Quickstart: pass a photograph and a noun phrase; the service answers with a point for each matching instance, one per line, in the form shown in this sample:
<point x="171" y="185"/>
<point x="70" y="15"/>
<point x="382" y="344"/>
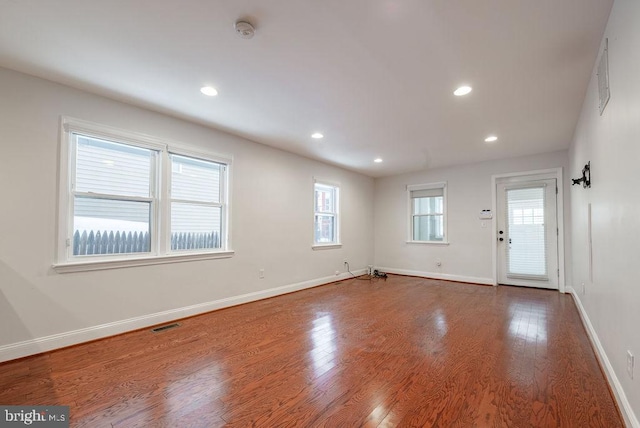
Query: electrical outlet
<point x="337" y="272"/>
<point x="370" y="269"/>
<point x="630" y="363"/>
<point x="261" y="273"/>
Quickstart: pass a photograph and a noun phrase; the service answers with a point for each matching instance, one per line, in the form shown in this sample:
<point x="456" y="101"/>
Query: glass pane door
<point x="526" y="233"/>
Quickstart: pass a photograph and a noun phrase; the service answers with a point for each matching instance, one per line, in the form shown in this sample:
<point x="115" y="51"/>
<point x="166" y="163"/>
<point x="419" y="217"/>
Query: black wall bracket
<point x="586" y="177"/>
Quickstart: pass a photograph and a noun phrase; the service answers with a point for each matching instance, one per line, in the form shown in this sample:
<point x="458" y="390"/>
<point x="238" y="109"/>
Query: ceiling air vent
<point x="603" y="77"/>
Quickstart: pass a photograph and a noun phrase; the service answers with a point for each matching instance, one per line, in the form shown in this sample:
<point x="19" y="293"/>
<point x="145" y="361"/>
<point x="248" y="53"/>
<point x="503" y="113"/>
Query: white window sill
<point x="428" y="242"/>
<point x="326" y="246"/>
<point x="89" y="265"/>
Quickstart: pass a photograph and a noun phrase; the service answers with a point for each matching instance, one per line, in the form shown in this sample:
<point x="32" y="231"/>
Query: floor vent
<point x="165" y="327"/>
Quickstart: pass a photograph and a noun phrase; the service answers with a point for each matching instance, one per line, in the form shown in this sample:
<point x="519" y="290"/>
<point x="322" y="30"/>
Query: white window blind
<point x="526" y="232"/>
<point x="427" y="214"/>
<point x="427" y="193"/>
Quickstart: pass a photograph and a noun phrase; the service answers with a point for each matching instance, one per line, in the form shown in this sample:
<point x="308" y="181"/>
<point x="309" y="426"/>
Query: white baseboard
<point x="437" y="275"/>
<point x="61" y="340"/>
<point x="623" y="403"/>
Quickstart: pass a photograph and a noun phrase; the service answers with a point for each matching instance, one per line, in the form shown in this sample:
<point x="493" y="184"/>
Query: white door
<point x="527" y="227"/>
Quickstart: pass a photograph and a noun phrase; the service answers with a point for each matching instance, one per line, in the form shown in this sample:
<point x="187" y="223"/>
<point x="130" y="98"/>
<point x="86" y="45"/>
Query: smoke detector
<point x="244" y="29"/>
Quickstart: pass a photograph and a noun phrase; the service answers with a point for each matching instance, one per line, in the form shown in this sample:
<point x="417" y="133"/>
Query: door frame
<point x="516" y="177"/>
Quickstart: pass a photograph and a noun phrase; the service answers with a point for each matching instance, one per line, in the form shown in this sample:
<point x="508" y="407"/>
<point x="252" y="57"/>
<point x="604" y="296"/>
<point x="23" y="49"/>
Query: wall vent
<point x="165" y="327"/>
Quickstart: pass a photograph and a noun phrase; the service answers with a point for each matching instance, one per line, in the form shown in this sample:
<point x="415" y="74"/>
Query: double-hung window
<point x="326" y="214"/>
<point x="427" y="218"/>
<point x="129" y="199"/>
<point x="113" y="197"/>
<point x="197" y="192"/>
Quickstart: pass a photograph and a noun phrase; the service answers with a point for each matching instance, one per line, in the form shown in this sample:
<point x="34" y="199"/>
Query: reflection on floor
<point x="406" y="351"/>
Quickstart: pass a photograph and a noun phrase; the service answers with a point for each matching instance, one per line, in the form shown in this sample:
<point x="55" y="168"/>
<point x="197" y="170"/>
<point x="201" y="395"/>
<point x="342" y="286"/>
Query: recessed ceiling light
<point x="462" y="90"/>
<point x="377" y="160"/>
<point x="317" y="135"/>
<point x="208" y="90"/>
<point x="491" y="139"/>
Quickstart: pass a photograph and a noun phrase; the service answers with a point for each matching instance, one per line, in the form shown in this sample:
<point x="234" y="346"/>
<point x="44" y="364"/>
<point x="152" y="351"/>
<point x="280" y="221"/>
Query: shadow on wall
<point x="23" y="381"/>
<point x="21" y="304"/>
<point x="12" y="289"/>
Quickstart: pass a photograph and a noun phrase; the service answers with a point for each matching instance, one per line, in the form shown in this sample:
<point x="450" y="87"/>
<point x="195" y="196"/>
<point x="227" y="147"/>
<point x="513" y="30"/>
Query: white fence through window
<point x="107" y="242"/>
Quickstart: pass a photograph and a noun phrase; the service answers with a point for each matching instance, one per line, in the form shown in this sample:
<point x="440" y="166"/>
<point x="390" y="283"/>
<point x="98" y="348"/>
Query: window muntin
<point x="325" y="214"/>
<point x="428" y="213"/>
<point x="116" y="204"/>
<point x="527" y="216"/>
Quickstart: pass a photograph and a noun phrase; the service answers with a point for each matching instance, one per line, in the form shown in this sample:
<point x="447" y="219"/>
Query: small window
<point x="427" y="213"/>
<point x="127" y="197"/>
<point x="326" y="214"/>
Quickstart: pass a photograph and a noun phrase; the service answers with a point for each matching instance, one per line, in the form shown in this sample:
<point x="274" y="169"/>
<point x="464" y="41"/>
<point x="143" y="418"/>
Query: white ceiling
<point x="374" y="76"/>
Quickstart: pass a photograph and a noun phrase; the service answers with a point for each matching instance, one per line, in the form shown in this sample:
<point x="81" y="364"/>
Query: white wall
<point x="271" y="224"/>
<point x="468" y="257"/>
<point x="612" y="143"/>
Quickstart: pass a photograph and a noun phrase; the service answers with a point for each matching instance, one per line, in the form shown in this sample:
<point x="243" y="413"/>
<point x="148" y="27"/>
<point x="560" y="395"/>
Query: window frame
<point x="160" y="180"/>
<point x="152" y="199"/>
<point x="335" y="213"/>
<point x="410" y="231"/>
<point x="223" y="204"/>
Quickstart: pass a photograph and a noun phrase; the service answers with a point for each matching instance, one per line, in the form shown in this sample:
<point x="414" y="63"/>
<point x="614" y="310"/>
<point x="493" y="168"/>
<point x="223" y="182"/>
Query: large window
<point x="427" y="204"/>
<point x="326" y="214"/>
<point x="126" y="197"/>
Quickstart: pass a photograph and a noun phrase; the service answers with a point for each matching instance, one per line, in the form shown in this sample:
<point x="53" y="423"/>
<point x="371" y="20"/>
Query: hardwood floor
<point x="401" y="352"/>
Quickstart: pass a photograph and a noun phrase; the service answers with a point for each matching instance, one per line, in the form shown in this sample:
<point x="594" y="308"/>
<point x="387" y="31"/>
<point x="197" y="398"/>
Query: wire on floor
<point x="369" y="276"/>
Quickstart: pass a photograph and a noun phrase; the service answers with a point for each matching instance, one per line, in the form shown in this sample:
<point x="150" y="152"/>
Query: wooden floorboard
<point x="401" y="352"/>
